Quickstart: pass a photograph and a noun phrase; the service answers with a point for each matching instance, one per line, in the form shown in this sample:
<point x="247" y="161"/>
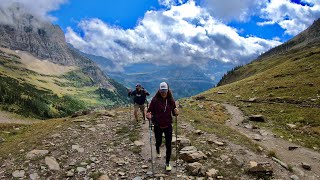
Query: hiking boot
<point x="158" y="155"/>
<point x="168" y="167"/>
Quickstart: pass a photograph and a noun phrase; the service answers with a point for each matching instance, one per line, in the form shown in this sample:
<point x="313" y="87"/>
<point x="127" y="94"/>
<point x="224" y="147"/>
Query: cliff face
<point x="46" y="41"/>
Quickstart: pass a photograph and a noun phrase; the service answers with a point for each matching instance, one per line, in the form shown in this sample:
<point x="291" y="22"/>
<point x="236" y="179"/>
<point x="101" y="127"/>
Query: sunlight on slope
<point x="40" y="66"/>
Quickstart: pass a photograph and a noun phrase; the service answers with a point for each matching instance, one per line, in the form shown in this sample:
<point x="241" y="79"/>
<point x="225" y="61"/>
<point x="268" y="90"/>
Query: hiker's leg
<point x="158" y="136"/>
<point x="135" y="111"/>
<point x="142" y="109"/>
<point x="168" y="137"/>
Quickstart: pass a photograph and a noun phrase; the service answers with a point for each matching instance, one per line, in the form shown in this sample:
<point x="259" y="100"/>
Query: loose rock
<point x="52" y="163"/>
<point x="18" y="174"/>
<point x="36" y="153"/>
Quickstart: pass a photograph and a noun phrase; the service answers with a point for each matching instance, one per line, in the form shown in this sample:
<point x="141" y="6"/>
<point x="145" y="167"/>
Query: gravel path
<point x="270" y="142"/>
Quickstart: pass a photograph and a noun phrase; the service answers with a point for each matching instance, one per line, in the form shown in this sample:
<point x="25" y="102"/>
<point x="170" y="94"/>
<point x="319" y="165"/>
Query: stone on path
<point x="70" y="173"/>
<point x="137" y="178"/>
<point x="252" y="100"/>
<point x="111" y="113"/>
<point x="257" y="168"/>
<point x="292" y="126"/>
<point x="138" y="143"/>
<point x="219" y="143"/>
<point x="257" y="118"/>
<point x="78" y="148"/>
<point x="280" y="162"/>
<point x="104" y="177"/>
<point x="18" y="174"/>
<point x="194" y="168"/>
<point x="81" y="169"/>
<point x="257" y="137"/>
<point x="292" y="148"/>
<point x="34" y="176"/>
<point x="36" y="153"/>
<point x="190" y="154"/>
<point x="52" y="163"/>
<point x="84" y="126"/>
<point x="212" y="172"/>
<point x="306" y="166"/>
<point x="294" y="177"/>
<point x="199" y="132"/>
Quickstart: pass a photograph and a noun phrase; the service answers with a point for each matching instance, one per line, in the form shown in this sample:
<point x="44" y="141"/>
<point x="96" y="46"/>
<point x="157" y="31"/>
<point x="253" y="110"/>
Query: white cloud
<point x="292" y="17"/>
<point x="39" y="9"/>
<point x="185" y="34"/>
<point x="233" y="9"/>
<point x="170" y="3"/>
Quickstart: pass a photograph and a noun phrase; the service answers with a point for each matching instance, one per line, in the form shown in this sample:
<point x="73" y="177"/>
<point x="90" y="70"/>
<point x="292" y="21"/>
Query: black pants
<point x="168" y="137"/>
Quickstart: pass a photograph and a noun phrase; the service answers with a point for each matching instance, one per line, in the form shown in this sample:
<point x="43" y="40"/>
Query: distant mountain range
<point x="185" y="81"/>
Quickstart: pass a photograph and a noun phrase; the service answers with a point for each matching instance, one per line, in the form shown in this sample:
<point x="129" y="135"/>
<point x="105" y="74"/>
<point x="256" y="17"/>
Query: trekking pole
<point x="150" y="130"/>
<point x="130" y="111"/>
<point x="176" y="147"/>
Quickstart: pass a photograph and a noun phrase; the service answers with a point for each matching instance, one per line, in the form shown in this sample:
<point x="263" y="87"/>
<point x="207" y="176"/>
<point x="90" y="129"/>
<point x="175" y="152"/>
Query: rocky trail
<point x="305" y="163"/>
<point x="109" y="145"/>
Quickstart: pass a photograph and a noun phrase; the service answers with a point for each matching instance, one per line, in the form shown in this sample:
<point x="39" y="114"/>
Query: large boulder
<point x="190" y="154"/>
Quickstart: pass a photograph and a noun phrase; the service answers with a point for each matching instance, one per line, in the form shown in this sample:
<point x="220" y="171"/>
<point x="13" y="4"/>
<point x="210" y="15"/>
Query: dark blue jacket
<point x="139" y="96"/>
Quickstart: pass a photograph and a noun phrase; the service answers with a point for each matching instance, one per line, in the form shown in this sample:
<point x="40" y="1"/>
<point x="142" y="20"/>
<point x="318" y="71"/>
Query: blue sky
<point x="175" y="31"/>
<point x="123" y="13"/>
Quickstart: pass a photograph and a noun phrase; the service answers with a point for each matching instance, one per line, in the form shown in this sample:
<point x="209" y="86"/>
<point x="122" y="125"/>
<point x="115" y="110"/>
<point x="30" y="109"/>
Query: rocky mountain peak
<point x="20" y="30"/>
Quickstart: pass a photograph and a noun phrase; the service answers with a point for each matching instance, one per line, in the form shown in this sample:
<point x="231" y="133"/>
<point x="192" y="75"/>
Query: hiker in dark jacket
<point x="160" y="111"/>
<point x="140" y="97"/>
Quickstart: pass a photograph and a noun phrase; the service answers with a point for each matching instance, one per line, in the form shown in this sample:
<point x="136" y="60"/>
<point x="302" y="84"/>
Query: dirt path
<point x="158" y="163"/>
<point x="293" y="158"/>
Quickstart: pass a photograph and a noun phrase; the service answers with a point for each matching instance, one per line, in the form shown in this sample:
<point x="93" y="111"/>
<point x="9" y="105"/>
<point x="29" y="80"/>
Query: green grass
<point x="287" y="88"/>
<point x="28" y="137"/>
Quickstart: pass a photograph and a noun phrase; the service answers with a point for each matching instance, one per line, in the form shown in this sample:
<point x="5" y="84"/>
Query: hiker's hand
<point x="129" y="90"/>
<point x="149" y="115"/>
<point x="176" y="111"/>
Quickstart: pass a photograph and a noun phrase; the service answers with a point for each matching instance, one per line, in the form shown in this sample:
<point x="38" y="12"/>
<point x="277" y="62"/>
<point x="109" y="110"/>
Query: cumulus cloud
<point x="185" y="34"/>
<point x="38" y="9"/>
<point x="292" y="17"/>
<point x="233" y="9"/>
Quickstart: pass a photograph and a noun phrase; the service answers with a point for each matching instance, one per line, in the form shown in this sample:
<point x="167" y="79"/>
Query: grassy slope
<point x="287" y="88"/>
<point x="68" y="91"/>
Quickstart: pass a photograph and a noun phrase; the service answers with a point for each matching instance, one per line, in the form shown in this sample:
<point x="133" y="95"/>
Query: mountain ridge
<point x="304" y="40"/>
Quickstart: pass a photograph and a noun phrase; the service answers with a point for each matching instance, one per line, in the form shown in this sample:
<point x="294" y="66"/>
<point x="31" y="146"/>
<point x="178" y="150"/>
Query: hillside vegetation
<point x="49" y="95"/>
<point x="284" y="87"/>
